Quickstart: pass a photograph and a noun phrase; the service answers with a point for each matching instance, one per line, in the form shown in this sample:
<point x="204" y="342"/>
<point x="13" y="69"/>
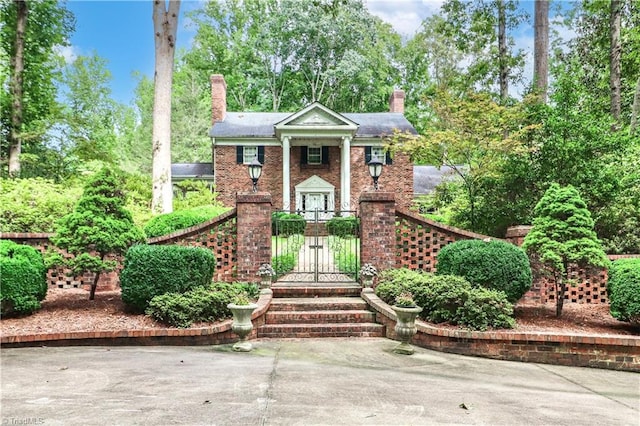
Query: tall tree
<point x="17" y="64"/>
<point x="281" y="55"/>
<point x="30" y="34"/>
<point x="165" y="26"/>
<point x="480" y="30"/>
<point x="541" y="48"/>
<point x="614" y="55"/>
<point x="89" y="114"/>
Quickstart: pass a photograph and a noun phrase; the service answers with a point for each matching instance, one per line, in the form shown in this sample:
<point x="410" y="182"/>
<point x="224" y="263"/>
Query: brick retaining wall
<point x="610" y="352"/>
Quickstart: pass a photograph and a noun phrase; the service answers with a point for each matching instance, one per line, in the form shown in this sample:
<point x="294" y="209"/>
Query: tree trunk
<point x="561" y="289"/>
<point x="165" y="25"/>
<point x="541" y="48"/>
<point x="616" y="49"/>
<point x="17" y="65"/>
<point x="94" y="286"/>
<point x="502" y="51"/>
<point x="635" y="110"/>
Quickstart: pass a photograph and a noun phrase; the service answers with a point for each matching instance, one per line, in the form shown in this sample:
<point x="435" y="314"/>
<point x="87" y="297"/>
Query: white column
<point x="286" y="174"/>
<point x="345" y="174"/>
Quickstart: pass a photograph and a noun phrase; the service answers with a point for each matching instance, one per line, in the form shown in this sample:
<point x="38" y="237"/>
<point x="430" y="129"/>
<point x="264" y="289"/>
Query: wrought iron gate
<point x="321" y="246"/>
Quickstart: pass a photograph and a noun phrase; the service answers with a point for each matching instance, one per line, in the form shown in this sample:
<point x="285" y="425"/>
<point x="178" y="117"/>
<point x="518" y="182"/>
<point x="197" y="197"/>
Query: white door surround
<point x="315" y="193"/>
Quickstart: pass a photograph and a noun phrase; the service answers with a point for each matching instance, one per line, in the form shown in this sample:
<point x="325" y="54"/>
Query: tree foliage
<point x="48" y="27"/>
<point x="98" y="227"/>
<point x="563" y="235"/>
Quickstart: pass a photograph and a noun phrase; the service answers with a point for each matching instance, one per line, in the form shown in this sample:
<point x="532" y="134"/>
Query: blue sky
<point x="122" y="33"/>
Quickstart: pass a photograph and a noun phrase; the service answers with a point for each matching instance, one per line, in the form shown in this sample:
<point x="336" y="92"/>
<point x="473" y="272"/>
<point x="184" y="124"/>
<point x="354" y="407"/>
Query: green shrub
<point x="623" y="288"/>
<point x="34" y="205"/>
<point x="201" y="304"/>
<point x="448" y="298"/>
<point x="24" y="282"/>
<point x="171" y="222"/>
<point x="493" y="265"/>
<point x="284" y="224"/>
<point x="283" y="263"/>
<point x="150" y="271"/>
<point x="343" y="226"/>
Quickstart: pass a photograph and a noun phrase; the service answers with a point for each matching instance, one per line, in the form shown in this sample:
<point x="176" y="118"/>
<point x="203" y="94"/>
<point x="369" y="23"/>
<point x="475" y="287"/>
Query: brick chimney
<point x="218" y="98"/>
<point x="396" y="101"/>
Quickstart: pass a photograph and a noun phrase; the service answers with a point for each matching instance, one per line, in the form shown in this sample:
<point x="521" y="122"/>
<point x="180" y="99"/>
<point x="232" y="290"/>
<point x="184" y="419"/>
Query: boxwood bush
<point x="283" y="263"/>
<point x="171" y="222"/>
<point x="150" y="271"/>
<point x="201" y="304"/>
<point x="24" y="281"/>
<point x="285" y="224"/>
<point x="448" y="298"/>
<point x="343" y="226"/>
<point x="623" y="288"/>
<point x="495" y="265"/>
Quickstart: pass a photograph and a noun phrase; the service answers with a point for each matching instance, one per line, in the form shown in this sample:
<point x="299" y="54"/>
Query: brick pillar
<point x="515" y="234"/>
<point x="254" y="233"/>
<point x="378" y="229"/>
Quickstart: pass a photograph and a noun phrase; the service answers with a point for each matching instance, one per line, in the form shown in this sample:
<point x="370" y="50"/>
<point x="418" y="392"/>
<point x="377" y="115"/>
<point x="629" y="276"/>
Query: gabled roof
<point x="426" y="178"/>
<point x="316" y="115"/>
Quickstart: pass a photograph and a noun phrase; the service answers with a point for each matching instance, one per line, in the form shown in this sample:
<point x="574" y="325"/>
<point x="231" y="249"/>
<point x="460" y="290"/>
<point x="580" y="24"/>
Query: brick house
<point x="314" y="158"/>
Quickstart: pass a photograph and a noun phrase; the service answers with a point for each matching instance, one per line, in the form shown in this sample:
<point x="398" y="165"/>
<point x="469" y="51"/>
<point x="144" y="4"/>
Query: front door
<point x="312" y="202"/>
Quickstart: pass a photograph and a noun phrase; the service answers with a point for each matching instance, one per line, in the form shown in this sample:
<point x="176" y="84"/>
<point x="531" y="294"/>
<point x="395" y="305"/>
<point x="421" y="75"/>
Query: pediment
<point x="316" y="116"/>
<point x="314" y="183"/>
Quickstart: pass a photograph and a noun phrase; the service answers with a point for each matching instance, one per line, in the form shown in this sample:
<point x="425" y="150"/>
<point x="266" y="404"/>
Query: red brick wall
<point x="254" y="234"/>
<point x="232" y="178"/>
<point x="63" y="277"/>
<point x="377" y="225"/>
<point x="612" y="352"/>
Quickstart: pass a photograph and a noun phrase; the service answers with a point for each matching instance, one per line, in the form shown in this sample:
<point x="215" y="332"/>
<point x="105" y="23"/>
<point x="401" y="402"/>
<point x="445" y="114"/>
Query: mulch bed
<point x="68" y="310"/>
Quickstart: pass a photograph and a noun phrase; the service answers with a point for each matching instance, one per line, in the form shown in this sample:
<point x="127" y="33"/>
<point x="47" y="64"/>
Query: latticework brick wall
<point x="218" y="235"/>
<point x="419" y="240"/>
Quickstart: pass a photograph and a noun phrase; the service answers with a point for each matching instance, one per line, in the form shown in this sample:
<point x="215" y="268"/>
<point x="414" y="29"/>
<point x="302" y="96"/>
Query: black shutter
<point x="387" y="158"/>
<point x="303" y="155"/>
<point x="325" y="155"/>
<point x="367" y="154"/>
<point x="261" y="154"/>
<point x="239" y="154"/>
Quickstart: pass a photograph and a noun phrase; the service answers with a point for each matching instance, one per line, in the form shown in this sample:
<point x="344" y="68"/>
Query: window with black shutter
<point x="379" y="151"/>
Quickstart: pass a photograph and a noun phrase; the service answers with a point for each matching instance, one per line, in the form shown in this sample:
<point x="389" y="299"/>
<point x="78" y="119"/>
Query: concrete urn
<point x="242" y="325"/>
<point x="405" y="327"/>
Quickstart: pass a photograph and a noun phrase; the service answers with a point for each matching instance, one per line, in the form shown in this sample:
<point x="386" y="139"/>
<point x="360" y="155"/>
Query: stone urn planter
<point x="266" y="274"/>
<point x="242" y="325"/>
<point x="405" y="327"/>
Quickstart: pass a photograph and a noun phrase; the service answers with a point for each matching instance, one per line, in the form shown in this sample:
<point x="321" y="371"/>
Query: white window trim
<point x="248" y="158"/>
<point x="319" y="156"/>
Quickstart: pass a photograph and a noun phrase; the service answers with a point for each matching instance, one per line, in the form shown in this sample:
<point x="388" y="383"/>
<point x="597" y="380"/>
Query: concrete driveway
<point x="303" y="382"/>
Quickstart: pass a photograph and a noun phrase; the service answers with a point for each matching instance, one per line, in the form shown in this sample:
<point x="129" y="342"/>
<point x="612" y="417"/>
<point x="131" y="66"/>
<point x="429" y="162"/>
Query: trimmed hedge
<point x="285" y="224"/>
<point x="171" y="222"/>
<point x="448" y="298"/>
<point x="623" y="288"/>
<point x="150" y="271"/>
<point x="495" y="265"/>
<point x="201" y="304"/>
<point x="283" y="263"/>
<point x="343" y="226"/>
<point x="24" y="280"/>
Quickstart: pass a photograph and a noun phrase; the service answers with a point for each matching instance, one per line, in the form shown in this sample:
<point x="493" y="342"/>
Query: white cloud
<point x="69" y="53"/>
<point x="405" y="16"/>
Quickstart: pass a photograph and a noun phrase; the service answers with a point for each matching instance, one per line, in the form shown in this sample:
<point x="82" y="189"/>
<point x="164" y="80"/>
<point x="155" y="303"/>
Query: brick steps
<point x="317" y="304"/>
<point x="315" y="290"/>
<point x="326" y="310"/>
<point x="320" y="317"/>
<point x="321" y="330"/>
